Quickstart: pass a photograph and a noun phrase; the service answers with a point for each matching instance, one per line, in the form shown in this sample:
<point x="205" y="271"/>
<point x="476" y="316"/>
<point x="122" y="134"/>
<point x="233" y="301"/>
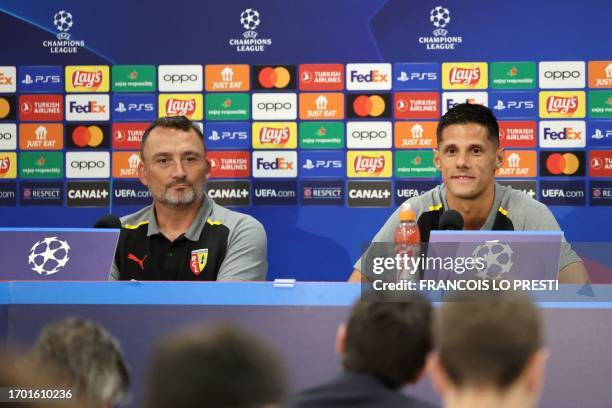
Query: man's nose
<point x="463" y="160"/>
<point x="179" y="170"/>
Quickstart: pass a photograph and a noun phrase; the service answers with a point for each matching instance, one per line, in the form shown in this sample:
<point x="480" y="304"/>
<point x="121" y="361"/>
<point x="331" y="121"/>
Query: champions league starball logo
<point x="440" y="17"/>
<point x="62" y="20"/>
<point x="250" y="20"/>
<point x="497" y="258"/>
<point x="49" y="256"/>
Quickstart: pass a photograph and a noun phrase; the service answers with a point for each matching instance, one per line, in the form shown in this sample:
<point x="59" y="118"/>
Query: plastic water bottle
<point x="407" y="242"/>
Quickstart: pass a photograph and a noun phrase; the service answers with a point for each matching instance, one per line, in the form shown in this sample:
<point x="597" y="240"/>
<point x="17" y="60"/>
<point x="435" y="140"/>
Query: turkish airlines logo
<point x="369" y="164"/>
<point x="464" y="76"/>
<point x="558" y="104"/>
<point x="179" y="107"/>
<point x="86" y="79"/>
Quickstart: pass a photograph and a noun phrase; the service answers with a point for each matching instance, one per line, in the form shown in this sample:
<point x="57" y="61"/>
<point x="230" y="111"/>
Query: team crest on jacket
<point x="198" y="260"/>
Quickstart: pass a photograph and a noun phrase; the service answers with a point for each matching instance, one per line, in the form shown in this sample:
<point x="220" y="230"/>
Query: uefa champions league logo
<point x="440" y="17"/>
<point x="49" y="256"/>
<point x="62" y="20"/>
<point x="497" y="257"/>
<point x="250" y="19"/>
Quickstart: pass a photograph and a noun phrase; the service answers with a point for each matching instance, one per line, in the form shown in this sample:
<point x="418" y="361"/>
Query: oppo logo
<point x="6" y="136"/>
<point x="180" y="78"/>
<point x="88" y="164"/>
<point x="561" y="74"/>
<point x="369" y="134"/>
<point x="274" y="106"/>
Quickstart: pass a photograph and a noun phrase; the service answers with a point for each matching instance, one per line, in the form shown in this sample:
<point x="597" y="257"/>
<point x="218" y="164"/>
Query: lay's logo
<point x="562" y="104"/>
<point x="188" y="105"/>
<point x="369" y="164"/>
<point x="463" y="76"/>
<point x="274" y="135"/>
<point x="87" y="78"/>
<point x="90" y="80"/>
<point x="177" y="107"/>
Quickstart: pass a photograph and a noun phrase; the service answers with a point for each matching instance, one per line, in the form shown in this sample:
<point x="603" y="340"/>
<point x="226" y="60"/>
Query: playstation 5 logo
<point x="214" y="136"/>
<point x="308" y="165"/>
<point x="120" y="108"/>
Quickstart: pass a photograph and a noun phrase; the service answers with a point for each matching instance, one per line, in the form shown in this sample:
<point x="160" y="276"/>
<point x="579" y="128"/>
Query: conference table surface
<point x="300" y="321"/>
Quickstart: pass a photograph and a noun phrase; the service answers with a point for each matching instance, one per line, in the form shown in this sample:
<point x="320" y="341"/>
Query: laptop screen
<point x="81" y="254"/>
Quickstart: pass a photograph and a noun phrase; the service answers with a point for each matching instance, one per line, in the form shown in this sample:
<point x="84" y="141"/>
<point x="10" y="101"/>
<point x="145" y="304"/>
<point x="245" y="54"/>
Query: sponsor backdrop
<point x="318" y="127"/>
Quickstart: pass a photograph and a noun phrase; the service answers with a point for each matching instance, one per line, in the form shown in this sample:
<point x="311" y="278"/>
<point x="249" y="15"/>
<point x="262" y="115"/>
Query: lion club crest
<point x="198" y="260"/>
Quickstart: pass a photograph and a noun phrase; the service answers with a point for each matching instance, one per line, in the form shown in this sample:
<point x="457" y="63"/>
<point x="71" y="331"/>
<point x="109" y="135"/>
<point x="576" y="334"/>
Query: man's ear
<point x="142" y="172"/>
<point x="535" y="371"/>
<point x="499" y="157"/>
<point x="436" y="373"/>
<point x="436" y="158"/>
<point x="340" y="339"/>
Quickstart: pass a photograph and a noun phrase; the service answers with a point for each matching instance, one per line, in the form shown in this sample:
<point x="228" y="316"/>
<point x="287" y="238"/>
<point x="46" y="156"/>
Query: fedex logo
<point x="562" y="133"/>
<point x="450" y="99"/>
<point x="368" y="77"/>
<point x="40" y="79"/>
<point x="7" y="79"/>
<point x="87" y="107"/>
<point x="274" y="164"/>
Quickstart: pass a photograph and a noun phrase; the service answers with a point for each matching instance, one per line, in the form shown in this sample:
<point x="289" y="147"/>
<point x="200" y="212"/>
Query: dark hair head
<point x="85" y="356"/>
<point x="388" y="339"/>
<point x="464" y="113"/>
<point x="171" y="122"/>
<point x="219" y="367"/>
<point x="486" y="338"/>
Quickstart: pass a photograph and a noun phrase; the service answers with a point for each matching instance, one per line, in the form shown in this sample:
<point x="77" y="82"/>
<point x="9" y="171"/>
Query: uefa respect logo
<point x="250" y="20"/>
<point x="440" y="17"/>
<point x="63" y="22"/>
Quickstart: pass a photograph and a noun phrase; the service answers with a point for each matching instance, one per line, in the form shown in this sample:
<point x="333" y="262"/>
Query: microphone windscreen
<point x="451" y="220"/>
<point x="108" y="221"/>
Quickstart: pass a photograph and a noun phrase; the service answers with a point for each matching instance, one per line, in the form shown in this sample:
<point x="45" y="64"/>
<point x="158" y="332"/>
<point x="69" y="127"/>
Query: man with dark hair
<point x="488" y="351"/>
<point x="383" y="347"/>
<point x="467" y="156"/>
<point x="184" y="234"/>
<point x="82" y="355"/>
<point x="219" y="367"/>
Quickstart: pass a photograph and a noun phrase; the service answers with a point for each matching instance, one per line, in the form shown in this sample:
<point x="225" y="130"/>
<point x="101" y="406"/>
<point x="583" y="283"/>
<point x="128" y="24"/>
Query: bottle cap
<point x="406" y="213"/>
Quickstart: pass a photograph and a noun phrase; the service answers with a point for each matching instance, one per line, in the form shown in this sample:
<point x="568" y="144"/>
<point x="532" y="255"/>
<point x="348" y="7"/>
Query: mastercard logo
<point x="5" y="108"/>
<point x="87" y="136"/>
<point x="372" y="106"/>
<point x="274" y="77"/>
<point x="562" y="163"/>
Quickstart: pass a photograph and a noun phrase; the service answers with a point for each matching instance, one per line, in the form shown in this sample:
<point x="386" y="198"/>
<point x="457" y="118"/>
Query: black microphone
<point x="108" y="221"/>
<point x="451" y="220"/>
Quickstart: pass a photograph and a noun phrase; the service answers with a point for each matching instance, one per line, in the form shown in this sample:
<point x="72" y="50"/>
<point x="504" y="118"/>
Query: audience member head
<point x="215" y="367"/>
<point x="82" y="355"/>
<point x="488" y="348"/>
<point x="387" y="337"/>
